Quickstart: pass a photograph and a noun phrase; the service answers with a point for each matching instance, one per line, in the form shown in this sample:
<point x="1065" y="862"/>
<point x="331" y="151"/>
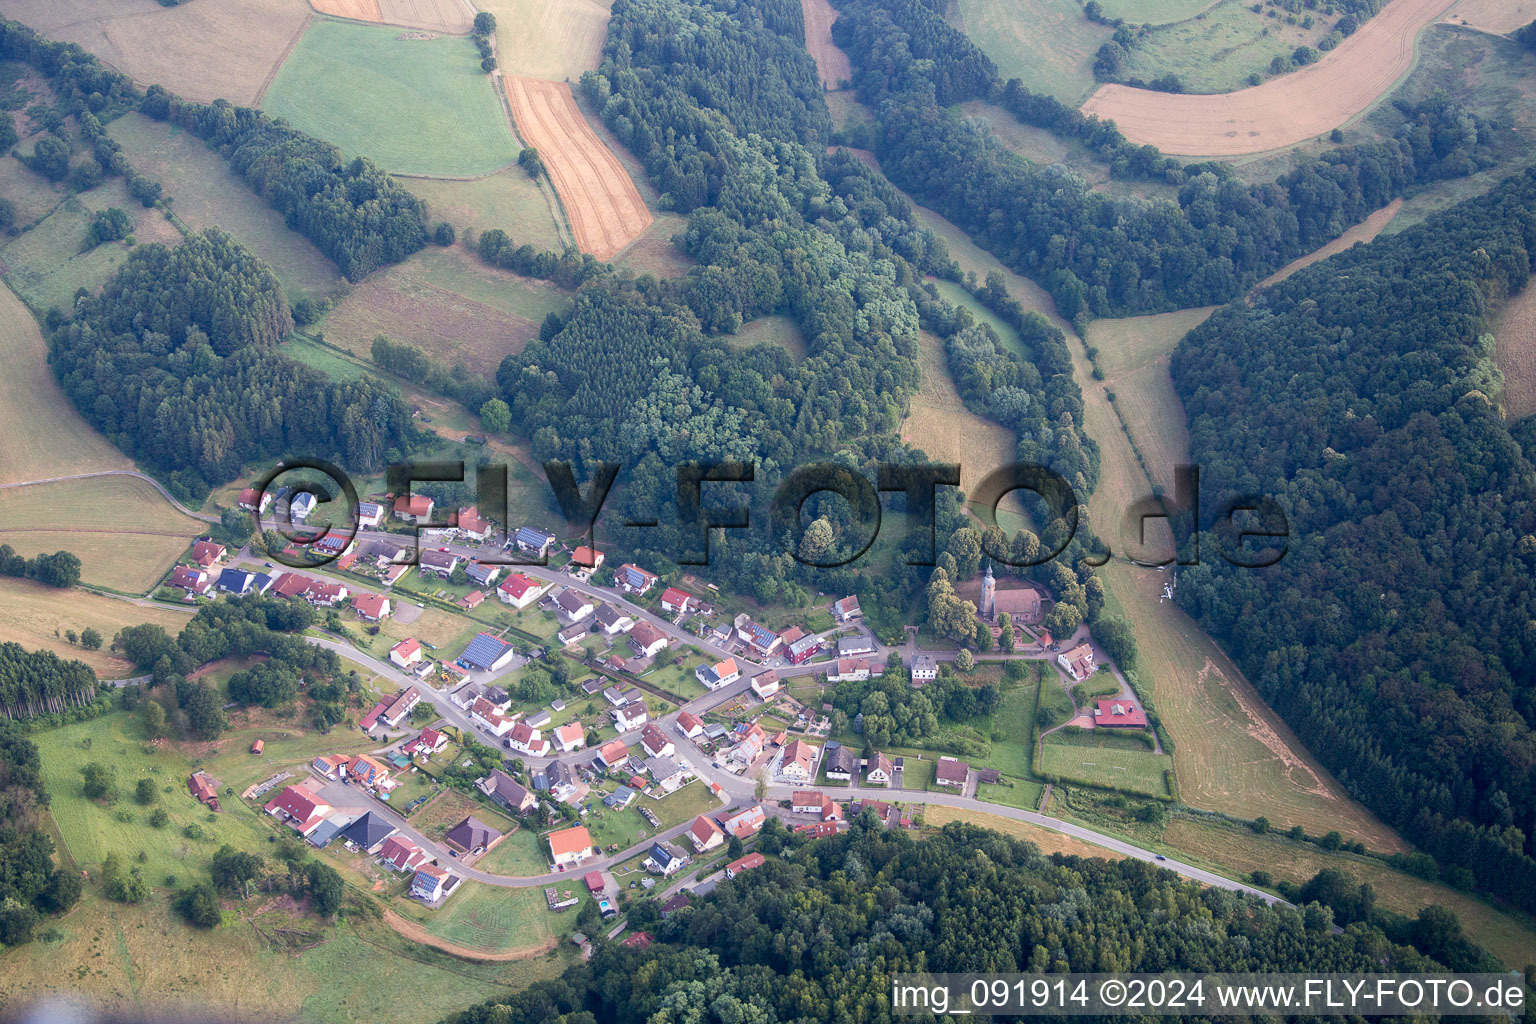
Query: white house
<point x="569" y="737"/>
<point x="765" y="684"/>
<point x="528" y="740"/>
<point x="574" y="605"/>
<point x="406" y="653"/>
<point x="631" y="716"/>
<point x="655" y="741"/>
<point x="520" y="591"/>
<point x="720" y="674"/>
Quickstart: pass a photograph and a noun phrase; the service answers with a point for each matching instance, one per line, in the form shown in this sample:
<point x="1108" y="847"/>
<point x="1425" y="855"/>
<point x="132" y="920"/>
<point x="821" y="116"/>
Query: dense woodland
<point x="31" y="886"/>
<point x="1398" y="633"/>
<point x="175" y="361"/>
<point x="350" y="210"/>
<point x="1096" y="254"/>
<point x="817" y="935"/>
<point x="41" y="682"/>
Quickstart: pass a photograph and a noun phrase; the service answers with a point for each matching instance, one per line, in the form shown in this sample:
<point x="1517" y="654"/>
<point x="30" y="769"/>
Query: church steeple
<point x="988" y="593"/>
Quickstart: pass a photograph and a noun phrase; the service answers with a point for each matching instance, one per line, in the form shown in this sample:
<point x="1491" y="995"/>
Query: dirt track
<point x="831" y="62"/>
<point x="1284" y="110"/>
<point x="416" y="933"/>
<point x="602" y="203"/>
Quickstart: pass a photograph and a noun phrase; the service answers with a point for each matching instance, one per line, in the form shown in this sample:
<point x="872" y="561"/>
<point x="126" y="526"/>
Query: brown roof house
<point x="472" y="836"/>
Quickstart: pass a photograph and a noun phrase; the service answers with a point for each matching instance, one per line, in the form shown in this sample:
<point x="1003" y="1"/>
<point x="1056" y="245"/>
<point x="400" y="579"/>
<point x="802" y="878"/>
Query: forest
<point x="350" y="210"/>
<point x="31" y="886"/>
<point x="1099" y="255"/>
<point x="1397" y="635"/>
<point x="722" y="104"/>
<point x="176" y="362"/>
<point x="815" y="934"/>
<point x="41" y="682"/>
<point x="60" y="569"/>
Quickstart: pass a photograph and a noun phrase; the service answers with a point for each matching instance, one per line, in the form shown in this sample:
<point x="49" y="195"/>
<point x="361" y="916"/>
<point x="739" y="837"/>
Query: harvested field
<point x="545" y="39"/>
<point x="1362" y="232"/>
<point x="208" y="194"/>
<point x="601" y="202"/>
<point x="1515" y="353"/>
<point x="126" y="534"/>
<point x="653" y="252"/>
<point x="1283" y="111"/>
<point x="44" y="435"/>
<point x="1499" y="16"/>
<point x="939" y="423"/>
<point x="36" y="617"/>
<point x="413" y="105"/>
<point x="452" y="16"/>
<point x="831" y="62"/>
<point x="449" y="305"/>
<point x="203" y="51"/>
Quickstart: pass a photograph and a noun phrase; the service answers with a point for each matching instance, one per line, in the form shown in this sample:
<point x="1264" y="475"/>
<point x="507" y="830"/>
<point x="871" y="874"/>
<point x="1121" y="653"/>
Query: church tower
<point x="988" y="594"/>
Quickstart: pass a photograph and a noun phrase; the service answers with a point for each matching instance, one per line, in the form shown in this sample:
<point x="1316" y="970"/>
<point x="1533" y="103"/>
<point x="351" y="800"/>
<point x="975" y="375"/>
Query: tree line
<point x="176" y="362"/>
<point x="40" y="682"/>
<point x="31" y="885"/>
<point x="1096" y="254"/>
<point x="60" y="569"/>
<point x="1397" y="635"/>
<point x="817" y="932"/>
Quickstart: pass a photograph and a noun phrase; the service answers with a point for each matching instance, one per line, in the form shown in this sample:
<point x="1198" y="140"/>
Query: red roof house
<point x="1119" y="713"/>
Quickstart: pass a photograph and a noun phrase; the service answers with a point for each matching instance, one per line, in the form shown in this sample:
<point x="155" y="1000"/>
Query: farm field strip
<point x="831" y="62"/>
<point x="602" y="203"/>
<point x="1514" y="333"/>
<point x="1283" y="111"/>
<point x="36" y="617"/>
<point x="545" y="39"/>
<point x="1498" y="16"/>
<point x="450" y="16"/>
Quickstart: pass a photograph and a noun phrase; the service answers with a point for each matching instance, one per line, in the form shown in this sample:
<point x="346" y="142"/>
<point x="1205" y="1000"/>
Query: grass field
<point x="771" y="330"/>
<point x="418" y="106"/>
<point x="44" y="435"/>
<point x="1049" y="841"/>
<point x="30" y="613"/>
<point x="939" y="423"/>
<point x="124" y="532"/>
<point x="521" y="853"/>
<point x="831" y="62"/>
<point x="45" y="265"/>
<point x="31" y="194"/>
<point x="203" y="51"/>
<point x="549" y="40"/>
<point x="509" y="200"/>
<point x="1216" y="49"/>
<point x="1154" y="12"/>
<point x="449" y="305"/>
<point x="1515" y="353"/>
<point x="1102" y="761"/>
<point x="207" y="194"/>
<point x="1050" y="51"/>
<point x="498" y="920"/>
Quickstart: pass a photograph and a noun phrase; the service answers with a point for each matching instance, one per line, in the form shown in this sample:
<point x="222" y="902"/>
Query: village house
<point x="847" y="610"/>
<point x="572" y="634"/>
<point x="669" y="775"/>
<point x="253" y="500"/>
<point x="842" y="763"/>
<point x="665" y="859"/>
<point x="205" y="789"/>
<point x="951" y="772"/>
<point x="613" y="620"/>
<point x="925" y="669"/>
<point x="620" y="696"/>
<point x="482" y="712"/>
<point x="561" y="782"/>
<point x="689" y="724"/>
<point x="747" y="863"/>
<point x="613" y="753"/>
<point x="368" y="771"/>
<point x="800" y="646"/>
<point x="855" y="646"/>
<point x="747" y="823"/>
<point x="207" y="554"/>
<point x="765" y="684"/>
<point x="799" y="761"/>
<point x="849" y="670"/>
<point x="428" y="743"/>
<point x="298" y="807"/>
<point x="1119" y="713"/>
<point x="332" y="766"/>
<point x="431" y="883"/>
<point x="574" y="605"/>
<point x="718" y="675"/>
<point x="677" y="602"/>
<point x="570" y="736"/>
<point x="438" y="563"/>
<point x="630" y="716"/>
<point x="587" y="558"/>
<point x="655" y="741"/>
<point x="762" y="640"/>
<point x="369" y="514"/>
<point x="620" y="798"/>
<point x="404" y="703"/>
<point x="705" y="834"/>
<point x="400" y="854"/>
<point x="520" y="591"/>
<point x="406" y="653"/>
<point x="632" y="579"/>
<point x="413" y="508"/>
<point x="326" y="594"/>
<point x="507" y="791"/>
<point x="371" y="607"/>
<point x="480" y="574"/>
<point x="472" y="526"/>
<point x="646" y="640"/>
<point x="192" y="580"/>
<point x="368" y="833"/>
<point x="487" y="653"/>
<point x="814" y="801"/>
<point x="569" y="847"/>
<point x="1078" y="662"/>
<point x="879" y="771"/>
<point x="472" y="836"/>
<point x="533" y="541"/>
<point x="750" y="745"/>
<point x="527" y="740"/>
